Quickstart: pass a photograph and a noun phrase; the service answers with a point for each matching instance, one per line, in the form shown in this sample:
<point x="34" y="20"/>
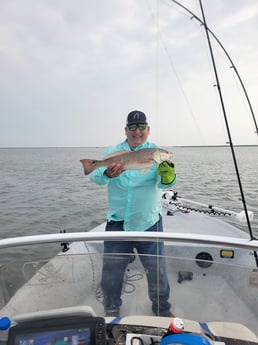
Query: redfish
<point x="132" y="160"/>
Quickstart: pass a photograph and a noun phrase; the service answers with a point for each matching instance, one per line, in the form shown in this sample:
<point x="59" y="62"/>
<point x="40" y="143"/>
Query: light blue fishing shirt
<point x="133" y="197"/>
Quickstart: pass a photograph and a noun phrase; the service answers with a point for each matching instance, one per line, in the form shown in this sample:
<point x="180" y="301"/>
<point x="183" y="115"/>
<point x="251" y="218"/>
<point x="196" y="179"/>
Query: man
<point x="134" y="204"/>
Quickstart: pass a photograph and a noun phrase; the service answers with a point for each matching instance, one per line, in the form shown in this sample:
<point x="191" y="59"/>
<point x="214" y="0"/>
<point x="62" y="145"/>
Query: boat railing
<point x="131" y="236"/>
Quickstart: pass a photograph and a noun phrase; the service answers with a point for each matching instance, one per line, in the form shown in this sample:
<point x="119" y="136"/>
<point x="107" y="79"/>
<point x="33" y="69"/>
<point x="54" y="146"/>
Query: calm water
<point x="44" y="191"/>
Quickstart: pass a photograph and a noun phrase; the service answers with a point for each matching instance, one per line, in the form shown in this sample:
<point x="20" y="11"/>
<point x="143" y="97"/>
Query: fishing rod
<point x="226" y="122"/>
<point x="232" y="65"/>
<point x="228" y="131"/>
<point x="208" y="31"/>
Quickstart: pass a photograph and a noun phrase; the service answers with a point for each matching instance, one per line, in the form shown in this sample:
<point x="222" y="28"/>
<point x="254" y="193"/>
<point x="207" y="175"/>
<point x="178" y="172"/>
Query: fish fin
<point x="88" y="165"/>
<point x="117" y="154"/>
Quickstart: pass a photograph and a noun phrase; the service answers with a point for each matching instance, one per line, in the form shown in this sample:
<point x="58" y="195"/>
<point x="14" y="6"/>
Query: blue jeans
<point x="114" y="268"/>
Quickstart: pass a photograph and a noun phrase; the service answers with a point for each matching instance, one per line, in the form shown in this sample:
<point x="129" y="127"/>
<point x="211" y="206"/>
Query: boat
<point x="212" y="271"/>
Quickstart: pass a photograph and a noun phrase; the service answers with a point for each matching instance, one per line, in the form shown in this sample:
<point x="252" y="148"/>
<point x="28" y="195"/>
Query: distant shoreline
<point x="103" y="147"/>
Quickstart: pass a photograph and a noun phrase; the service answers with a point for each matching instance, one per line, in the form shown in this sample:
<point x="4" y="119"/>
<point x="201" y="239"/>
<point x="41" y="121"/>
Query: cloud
<point x="240" y="16"/>
<point x="71" y="71"/>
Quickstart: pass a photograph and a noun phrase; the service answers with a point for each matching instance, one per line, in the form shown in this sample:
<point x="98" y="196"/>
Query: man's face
<point x="137" y="134"/>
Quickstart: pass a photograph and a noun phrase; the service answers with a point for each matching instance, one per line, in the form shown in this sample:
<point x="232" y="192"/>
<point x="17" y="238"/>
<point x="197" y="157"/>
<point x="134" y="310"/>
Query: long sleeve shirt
<point x="133" y="197"/>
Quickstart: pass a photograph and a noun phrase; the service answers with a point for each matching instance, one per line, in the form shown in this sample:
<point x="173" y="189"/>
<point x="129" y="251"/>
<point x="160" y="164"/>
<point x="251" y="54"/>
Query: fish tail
<point x="88" y="165"/>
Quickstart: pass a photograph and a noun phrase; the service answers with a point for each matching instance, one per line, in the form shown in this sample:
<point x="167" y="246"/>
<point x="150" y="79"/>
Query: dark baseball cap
<point x="136" y="116"/>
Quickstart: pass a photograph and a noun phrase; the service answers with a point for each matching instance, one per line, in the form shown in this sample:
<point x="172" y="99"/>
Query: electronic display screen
<point x="71" y="330"/>
<point x="79" y="336"/>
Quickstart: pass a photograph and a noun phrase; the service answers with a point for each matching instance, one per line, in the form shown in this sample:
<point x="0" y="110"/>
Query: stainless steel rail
<point x="131" y="236"/>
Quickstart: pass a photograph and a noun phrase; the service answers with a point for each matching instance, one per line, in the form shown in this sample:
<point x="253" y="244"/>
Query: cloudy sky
<point x="72" y="70"/>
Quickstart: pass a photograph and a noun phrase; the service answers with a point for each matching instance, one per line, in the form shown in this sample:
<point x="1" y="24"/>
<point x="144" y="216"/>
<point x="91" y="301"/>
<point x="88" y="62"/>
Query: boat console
<point x="81" y="326"/>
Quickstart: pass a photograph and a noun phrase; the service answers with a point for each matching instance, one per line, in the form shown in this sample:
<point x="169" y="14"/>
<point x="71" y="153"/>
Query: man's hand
<point x="167" y="172"/>
<point x="114" y="170"/>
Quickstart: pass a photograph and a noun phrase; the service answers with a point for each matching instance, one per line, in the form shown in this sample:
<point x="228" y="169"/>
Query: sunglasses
<point x="140" y="126"/>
